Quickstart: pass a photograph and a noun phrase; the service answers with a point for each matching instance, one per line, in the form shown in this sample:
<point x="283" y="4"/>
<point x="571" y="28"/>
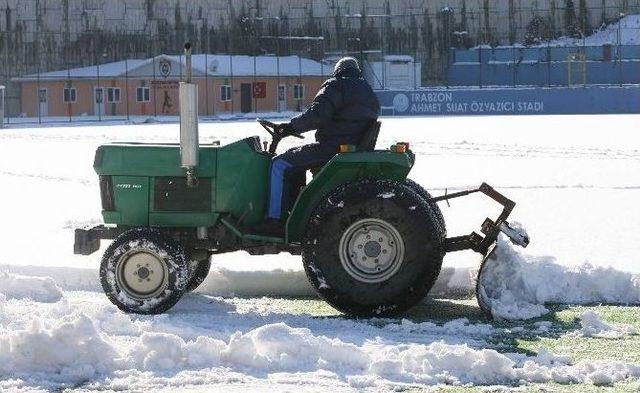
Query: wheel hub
<point x="371" y="250"/>
<point x="142" y="274"/>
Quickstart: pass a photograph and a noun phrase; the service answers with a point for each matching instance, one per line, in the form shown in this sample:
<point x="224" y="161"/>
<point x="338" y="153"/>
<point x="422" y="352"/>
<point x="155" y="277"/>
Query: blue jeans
<point x="291" y="166"/>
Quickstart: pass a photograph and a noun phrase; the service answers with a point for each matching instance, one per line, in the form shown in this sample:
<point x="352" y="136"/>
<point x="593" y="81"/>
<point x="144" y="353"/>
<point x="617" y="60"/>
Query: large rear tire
<point x="144" y="272"/>
<point x="373" y="248"/>
<point x="437" y="213"/>
<point x="200" y="271"/>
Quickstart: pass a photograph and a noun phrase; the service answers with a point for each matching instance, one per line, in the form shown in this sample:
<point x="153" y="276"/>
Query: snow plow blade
<point x="486" y="242"/>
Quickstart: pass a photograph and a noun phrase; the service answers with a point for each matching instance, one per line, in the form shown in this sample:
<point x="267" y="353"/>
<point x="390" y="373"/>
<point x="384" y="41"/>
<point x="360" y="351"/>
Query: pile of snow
<point x="40" y="289"/>
<point x="81" y="339"/>
<point x="518" y="285"/>
<point x="594" y="326"/>
<point x="70" y="350"/>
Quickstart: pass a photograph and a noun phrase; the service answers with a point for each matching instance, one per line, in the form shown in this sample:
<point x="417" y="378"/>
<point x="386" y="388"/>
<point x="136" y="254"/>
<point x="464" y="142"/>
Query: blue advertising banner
<point x="514" y="101"/>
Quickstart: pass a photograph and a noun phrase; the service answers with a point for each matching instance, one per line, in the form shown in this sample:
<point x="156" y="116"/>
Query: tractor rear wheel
<point x="373" y="248"/>
<point x="200" y="270"/>
<point x="434" y="206"/>
<point x="144" y="272"/>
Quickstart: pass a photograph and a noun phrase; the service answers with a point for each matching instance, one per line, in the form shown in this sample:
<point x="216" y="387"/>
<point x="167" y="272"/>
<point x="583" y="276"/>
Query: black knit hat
<point x="346" y="63"/>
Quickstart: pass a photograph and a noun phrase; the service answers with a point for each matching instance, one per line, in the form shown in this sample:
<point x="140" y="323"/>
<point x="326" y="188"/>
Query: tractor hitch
<point x="486" y="242"/>
<point x="483" y="243"/>
<point x="87" y="239"/>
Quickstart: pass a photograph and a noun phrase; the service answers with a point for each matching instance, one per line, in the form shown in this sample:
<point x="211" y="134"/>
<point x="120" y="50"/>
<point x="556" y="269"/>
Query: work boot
<point x="270" y="227"/>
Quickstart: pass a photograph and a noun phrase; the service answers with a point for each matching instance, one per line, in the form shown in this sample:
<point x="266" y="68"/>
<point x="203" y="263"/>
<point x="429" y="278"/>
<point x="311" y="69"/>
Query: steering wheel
<point x="276" y="138"/>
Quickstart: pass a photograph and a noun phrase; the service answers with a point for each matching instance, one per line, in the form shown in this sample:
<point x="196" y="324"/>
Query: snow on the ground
<point x="626" y="31"/>
<point x="594" y="326"/>
<point x="517" y="285"/>
<point x="576" y="187"/>
<point x="85" y="343"/>
<point x="42" y="289"/>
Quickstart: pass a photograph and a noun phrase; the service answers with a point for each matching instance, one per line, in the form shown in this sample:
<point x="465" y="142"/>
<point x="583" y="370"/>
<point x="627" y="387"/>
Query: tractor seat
<point x="367" y="143"/>
<point x="370" y="137"/>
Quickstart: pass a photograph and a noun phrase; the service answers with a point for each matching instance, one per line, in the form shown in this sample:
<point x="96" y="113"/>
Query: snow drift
<point x="40" y="289"/>
<point x="69" y="350"/>
<point x="73" y="350"/>
<point x="518" y="285"/>
<point x="594" y="326"/>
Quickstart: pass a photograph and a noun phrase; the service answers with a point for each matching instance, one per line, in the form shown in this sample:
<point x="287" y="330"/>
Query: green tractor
<point x="372" y="241"/>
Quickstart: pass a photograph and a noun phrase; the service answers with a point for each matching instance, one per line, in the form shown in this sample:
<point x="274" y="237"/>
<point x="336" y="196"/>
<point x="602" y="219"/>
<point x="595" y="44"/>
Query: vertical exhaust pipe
<point x="189" y="123"/>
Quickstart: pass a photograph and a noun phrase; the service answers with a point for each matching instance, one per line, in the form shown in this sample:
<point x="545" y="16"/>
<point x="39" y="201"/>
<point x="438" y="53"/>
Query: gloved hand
<point x="284" y="129"/>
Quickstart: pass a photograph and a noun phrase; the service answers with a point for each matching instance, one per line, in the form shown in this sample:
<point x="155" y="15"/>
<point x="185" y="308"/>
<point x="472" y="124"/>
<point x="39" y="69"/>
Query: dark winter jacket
<point x="344" y="108"/>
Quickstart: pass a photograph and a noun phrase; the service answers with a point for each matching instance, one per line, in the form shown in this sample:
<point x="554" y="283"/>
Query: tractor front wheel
<point x="373" y="248"/>
<point x="144" y="272"/>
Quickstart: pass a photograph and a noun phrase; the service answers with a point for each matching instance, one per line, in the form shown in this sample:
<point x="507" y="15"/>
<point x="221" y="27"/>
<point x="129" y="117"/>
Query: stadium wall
<point x="510" y="101"/>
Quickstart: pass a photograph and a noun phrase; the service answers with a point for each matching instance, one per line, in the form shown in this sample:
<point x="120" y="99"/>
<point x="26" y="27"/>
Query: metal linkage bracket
<point x="490" y="228"/>
<point x="87" y="239"/>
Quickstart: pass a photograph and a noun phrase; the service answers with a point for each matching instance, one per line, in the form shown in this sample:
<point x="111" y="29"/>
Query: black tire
<point x="393" y="204"/>
<point x="199" y="274"/>
<point x="165" y="255"/>
<point x="434" y="206"/>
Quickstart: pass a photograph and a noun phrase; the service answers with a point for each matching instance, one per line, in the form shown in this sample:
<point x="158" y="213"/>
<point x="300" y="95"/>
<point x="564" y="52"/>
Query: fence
<point x="117" y="72"/>
<point x="1" y="106"/>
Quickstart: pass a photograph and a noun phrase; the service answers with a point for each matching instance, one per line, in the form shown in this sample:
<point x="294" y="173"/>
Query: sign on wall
<point x="165" y="68"/>
<point x="440" y="102"/>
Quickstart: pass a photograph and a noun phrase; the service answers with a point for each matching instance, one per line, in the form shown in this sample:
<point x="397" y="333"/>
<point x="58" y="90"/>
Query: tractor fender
<point x="342" y="169"/>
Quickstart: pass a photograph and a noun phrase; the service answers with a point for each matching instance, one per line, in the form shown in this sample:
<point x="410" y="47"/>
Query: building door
<point x="245" y="97"/>
<point x="43" y="102"/>
<point x="282" y="98"/>
<point x="98" y="101"/>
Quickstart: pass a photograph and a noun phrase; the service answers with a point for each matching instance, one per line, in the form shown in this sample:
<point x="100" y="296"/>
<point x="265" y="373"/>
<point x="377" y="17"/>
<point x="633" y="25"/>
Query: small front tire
<point x="144" y="272"/>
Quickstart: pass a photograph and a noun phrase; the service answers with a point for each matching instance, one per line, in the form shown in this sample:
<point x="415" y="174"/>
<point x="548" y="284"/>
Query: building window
<point x="298" y="92"/>
<point x="113" y="94"/>
<point x="69" y="95"/>
<point x="225" y="93"/>
<point x="142" y="94"/>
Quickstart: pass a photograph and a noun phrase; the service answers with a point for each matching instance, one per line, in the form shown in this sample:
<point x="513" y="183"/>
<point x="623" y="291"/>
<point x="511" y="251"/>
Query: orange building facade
<point x="150" y="87"/>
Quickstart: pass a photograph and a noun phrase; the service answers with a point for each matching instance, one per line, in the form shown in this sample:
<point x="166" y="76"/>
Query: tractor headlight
<point x="106" y="193"/>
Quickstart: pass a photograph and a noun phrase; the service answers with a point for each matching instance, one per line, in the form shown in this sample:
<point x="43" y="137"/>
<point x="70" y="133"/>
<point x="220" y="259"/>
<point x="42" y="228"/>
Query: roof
<point x="211" y="65"/>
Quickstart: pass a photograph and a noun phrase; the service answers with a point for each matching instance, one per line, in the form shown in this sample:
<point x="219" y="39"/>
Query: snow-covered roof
<point x="107" y="70"/>
<point x="221" y="65"/>
<point x="403" y="58"/>
<point x="211" y="65"/>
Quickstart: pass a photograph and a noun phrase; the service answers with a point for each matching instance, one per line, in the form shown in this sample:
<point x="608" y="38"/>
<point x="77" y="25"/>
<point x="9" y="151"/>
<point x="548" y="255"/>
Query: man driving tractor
<point x="342" y="111"/>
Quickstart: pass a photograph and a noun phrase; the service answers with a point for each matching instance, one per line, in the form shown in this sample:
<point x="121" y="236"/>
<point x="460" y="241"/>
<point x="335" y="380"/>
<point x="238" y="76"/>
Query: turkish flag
<point x="260" y="90"/>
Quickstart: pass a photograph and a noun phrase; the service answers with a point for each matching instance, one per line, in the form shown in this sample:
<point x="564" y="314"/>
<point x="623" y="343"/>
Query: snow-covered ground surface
<point x="576" y="180"/>
<point x="626" y="31"/>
